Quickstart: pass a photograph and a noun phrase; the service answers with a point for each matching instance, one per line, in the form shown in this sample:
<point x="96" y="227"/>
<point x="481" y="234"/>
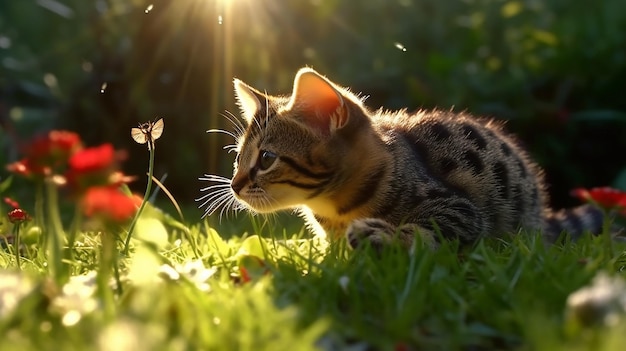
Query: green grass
<point x="304" y="295"/>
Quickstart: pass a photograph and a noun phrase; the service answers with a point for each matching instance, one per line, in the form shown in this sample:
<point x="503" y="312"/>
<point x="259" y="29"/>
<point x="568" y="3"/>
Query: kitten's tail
<point x="575" y="222"/>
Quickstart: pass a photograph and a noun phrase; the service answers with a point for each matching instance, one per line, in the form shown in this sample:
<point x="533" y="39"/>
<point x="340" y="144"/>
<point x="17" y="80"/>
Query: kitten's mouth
<point x="255" y="205"/>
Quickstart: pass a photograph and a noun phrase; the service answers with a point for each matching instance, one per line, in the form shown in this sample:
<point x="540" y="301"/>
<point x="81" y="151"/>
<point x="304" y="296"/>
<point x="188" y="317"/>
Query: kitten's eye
<point x="266" y="160"/>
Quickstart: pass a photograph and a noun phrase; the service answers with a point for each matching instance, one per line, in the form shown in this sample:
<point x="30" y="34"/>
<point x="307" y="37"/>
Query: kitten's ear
<point x="322" y="103"/>
<point x="248" y="99"/>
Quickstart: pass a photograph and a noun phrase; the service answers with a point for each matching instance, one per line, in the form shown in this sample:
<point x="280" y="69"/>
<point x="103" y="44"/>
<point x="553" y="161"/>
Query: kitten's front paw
<point x="373" y="230"/>
<point x="380" y="233"/>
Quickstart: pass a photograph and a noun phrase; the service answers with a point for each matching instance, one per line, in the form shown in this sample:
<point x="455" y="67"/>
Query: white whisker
<point x="231" y="134"/>
<point x="231" y="205"/>
<point x="216" y="195"/>
<point x="212" y="196"/>
<point x="256" y="122"/>
<point x="267" y="110"/>
<point x="216" y="202"/>
<point x="230" y="148"/>
<point x="216" y="186"/>
<point x="219" y="196"/>
<point x="236" y="122"/>
<point x="215" y="178"/>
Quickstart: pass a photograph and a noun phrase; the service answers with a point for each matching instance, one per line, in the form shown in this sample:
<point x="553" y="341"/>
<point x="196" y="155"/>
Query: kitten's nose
<point x="238" y="183"/>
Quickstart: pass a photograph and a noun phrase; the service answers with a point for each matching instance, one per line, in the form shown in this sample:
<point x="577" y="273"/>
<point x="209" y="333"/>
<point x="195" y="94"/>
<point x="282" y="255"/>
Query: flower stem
<point x="118" y="281"/>
<point x="39" y="212"/>
<point x="16" y="243"/>
<point x="107" y="253"/>
<point x="76" y="224"/>
<point x="145" y="198"/>
<point x="55" y="233"/>
<point x="606" y="231"/>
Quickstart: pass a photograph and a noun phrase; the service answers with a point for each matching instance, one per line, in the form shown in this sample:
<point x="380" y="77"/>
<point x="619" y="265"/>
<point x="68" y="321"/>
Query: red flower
<point x="9" y="201"/>
<point x="18" y="215"/>
<point x="94" y="159"/>
<point x="245" y="277"/>
<point x="606" y="197"/>
<point x="26" y="168"/>
<point x="252" y="268"/>
<point x="95" y="166"/>
<point x="109" y="203"/>
<point x="47" y="152"/>
<point x="54" y="147"/>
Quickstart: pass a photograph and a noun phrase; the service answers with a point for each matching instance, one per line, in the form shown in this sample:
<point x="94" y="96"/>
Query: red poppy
<point x="26" y="168"/>
<point x="606" y="197"/>
<point x="17" y="215"/>
<point x="110" y="204"/>
<point x="46" y="153"/>
<point x="94" y="166"/>
<point x="93" y="159"/>
<point x="54" y="147"/>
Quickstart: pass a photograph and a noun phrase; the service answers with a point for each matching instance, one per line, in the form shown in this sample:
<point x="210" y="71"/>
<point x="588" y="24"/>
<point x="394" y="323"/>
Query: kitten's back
<point x="377" y="176"/>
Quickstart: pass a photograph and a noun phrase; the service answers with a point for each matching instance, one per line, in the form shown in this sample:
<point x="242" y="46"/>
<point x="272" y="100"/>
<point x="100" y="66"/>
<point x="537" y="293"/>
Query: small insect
<point x="147" y="132"/>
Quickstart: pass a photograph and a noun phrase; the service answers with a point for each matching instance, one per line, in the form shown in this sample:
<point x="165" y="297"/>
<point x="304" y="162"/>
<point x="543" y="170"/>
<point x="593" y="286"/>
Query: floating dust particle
<point x="399" y="46"/>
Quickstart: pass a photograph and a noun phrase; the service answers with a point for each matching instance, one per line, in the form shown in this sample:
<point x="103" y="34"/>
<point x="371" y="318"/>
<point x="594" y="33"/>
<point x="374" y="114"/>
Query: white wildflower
<point x="76" y="298"/>
<point x="604" y="301"/>
<point x="13" y="287"/>
<point x="195" y="271"/>
<point x="167" y="271"/>
<point x="198" y="273"/>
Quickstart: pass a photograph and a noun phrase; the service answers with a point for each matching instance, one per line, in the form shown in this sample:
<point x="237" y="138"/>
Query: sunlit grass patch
<point x="302" y="294"/>
<point x="96" y="281"/>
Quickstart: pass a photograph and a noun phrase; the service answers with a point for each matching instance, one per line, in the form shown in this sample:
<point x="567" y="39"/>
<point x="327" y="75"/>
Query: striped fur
<point x="383" y="176"/>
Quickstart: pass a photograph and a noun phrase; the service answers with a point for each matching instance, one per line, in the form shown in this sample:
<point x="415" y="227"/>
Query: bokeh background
<point x="554" y="70"/>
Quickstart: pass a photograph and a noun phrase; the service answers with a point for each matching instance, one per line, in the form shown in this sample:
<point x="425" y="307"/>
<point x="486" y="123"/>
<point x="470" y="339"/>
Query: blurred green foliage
<point x="553" y="69"/>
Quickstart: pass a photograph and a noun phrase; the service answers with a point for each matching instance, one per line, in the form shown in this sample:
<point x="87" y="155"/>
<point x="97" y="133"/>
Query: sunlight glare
<point x="149" y="8"/>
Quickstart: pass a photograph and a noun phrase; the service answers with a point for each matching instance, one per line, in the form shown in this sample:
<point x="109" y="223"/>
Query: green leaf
<point x="216" y="243"/>
<point x="254" y="246"/>
<point x="5" y="184"/>
<point x="151" y="230"/>
<point x="144" y="266"/>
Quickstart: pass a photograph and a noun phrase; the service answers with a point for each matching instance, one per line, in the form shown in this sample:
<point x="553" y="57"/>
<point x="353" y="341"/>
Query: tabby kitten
<point x="384" y="176"/>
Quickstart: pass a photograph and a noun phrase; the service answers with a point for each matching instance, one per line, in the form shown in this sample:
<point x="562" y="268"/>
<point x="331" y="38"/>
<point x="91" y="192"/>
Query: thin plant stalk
<point x="118" y="281"/>
<point x="606" y="230"/>
<point x="39" y="212"/>
<point x="145" y="198"/>
<point x="107" y="260"/>
<point x="16" y="246"/>
<point x="55" y="232"/>
<point x="76" y="224"/>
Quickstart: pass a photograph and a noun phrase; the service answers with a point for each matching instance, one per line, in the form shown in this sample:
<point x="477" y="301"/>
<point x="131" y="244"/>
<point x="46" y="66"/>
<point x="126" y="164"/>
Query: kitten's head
<point x="292" y="148"/>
